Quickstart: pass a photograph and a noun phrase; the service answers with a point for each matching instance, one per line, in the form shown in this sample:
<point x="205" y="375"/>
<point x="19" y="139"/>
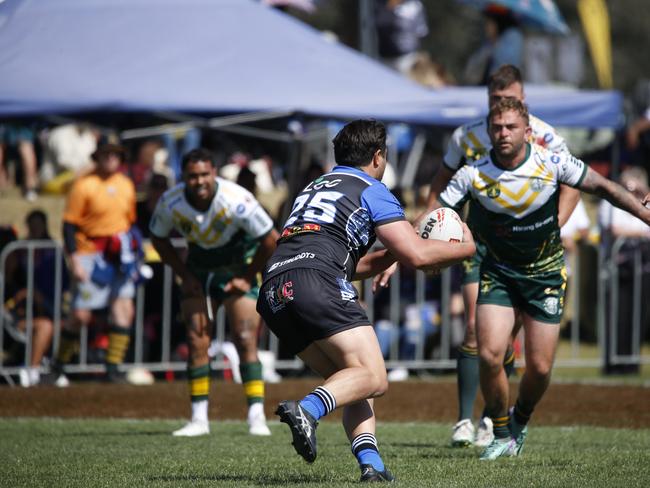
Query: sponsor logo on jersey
<point x="320" y="183"/>
<point x="348" y="293"/>
<point x="537" y="184"/>
<point x="240" y="209"/>
<point x="278" y="297"/>
<point x="493" y="191"/>
<point x="548" y="137"/>
<point x="299" y="229"/>
<point x="297" y="257"/>
<point x="551" y="305"/>
<point x="185" y="226"/>
<point x="555" y="159"/>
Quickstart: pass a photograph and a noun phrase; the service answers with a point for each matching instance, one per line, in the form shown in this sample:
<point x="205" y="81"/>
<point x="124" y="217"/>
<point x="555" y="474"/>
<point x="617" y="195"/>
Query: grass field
<point x="107" y="453"/>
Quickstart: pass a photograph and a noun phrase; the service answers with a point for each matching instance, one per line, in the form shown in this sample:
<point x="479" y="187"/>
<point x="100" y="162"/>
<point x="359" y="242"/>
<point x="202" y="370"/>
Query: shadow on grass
<point x="425" y="450"/>
<point x="267" y="479"/>
<point x="166" y="433"/>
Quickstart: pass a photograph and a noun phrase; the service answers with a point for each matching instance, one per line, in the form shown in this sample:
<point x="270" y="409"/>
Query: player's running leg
<point x="244" y="321"/>
<point x="354" y="370"/>
<point x="468" y="376"/>
<point x="198" y="368"/>
<point x="540" y="345"/>
<point x="494" y="328"/>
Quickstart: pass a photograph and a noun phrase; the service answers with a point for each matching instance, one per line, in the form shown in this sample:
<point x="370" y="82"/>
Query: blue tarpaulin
<point x="224" y="56"/>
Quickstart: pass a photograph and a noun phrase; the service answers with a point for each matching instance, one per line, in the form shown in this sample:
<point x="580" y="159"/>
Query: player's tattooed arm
<point x="615" y="194"/>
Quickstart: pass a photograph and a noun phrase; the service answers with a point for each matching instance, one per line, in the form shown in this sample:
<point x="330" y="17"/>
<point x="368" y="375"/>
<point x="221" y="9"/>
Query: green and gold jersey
<point x="515" y="211"/>
<point x="226" y="235"/>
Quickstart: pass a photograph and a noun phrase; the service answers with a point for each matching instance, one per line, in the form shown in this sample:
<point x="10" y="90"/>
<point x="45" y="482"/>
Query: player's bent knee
<point x="539" y="370"/>
<point x="379" y="385"/>
<point x="490" y="360"/>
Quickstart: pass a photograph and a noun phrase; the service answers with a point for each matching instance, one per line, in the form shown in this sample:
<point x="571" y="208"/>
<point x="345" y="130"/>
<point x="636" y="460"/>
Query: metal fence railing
<point x="414" y="317"/>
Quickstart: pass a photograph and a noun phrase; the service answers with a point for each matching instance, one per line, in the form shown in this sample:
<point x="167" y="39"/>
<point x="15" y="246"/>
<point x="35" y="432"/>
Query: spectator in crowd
<point x="67" y="155"/>
<point x="177" y="144"/>
<point x="19" y="138"/>
<point x="43" y="297"/>
<point x="621" y="223"/>
<point x="156" y="186"/>
<point x="150" y="158"/>
<point x="618" y="223"/>
<point x="638" y="139"/>
<point x="428" y="72"/>
<point x="637" y="128"/>
<point x="400" y="26"/>
<point x="102" y="252"/>
<point x="504" y="44"/>
<point x="230" y="238"/>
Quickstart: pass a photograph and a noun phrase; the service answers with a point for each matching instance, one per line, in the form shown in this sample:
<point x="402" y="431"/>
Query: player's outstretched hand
<point x="238" y="286"/>
<point x="382" y="278"/>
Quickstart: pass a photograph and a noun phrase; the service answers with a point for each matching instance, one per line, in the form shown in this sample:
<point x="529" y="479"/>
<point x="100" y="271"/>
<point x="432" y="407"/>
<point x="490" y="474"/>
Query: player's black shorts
<point x="303" y="305"/>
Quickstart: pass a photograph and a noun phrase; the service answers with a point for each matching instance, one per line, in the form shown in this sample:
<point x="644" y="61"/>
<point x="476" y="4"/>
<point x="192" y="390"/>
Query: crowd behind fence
<point x="415" y="323"/>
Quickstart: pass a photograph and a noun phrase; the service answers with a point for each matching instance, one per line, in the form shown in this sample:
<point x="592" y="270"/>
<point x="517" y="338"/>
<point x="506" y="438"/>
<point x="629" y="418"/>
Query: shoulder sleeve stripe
<point x="582" y="176"/>
<point x="389" y="220"/>
<point x="444" y="203"/>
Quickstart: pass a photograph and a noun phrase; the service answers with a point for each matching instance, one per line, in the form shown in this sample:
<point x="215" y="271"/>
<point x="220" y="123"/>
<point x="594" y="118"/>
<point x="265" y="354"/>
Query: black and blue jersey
<point x="332" y="223"/>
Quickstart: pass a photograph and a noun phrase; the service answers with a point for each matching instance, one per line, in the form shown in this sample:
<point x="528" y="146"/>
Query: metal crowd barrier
<point x="610" y="301"/>
<point x="441" y="357"/>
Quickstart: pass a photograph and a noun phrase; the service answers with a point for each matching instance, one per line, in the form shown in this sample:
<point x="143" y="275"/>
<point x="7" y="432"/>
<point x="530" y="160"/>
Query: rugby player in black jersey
<point x="308" y="301"/>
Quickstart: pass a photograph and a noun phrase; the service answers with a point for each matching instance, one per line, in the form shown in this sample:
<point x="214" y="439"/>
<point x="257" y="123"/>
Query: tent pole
<point x="367" y="29"/>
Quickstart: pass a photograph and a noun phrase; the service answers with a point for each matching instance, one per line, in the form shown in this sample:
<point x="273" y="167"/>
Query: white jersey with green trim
<point x="233" y="209"/>
<point x="471" y="141"/>
<point x="515" y="210"/>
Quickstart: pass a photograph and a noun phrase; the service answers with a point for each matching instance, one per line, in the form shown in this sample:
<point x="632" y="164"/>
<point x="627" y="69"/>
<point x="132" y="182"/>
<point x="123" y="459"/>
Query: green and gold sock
<point x="251" y="375"/>
<point x="468" y="380"/>
<point x="199" y="379"/>
<point x="500" y="427"/>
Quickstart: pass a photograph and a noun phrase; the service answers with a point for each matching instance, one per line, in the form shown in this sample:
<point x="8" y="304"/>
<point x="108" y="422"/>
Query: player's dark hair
<point x="507" y="104"/>
<point x="358" y="141"/>
<point x="503" y="77"/>
<point x="196" y="155"/>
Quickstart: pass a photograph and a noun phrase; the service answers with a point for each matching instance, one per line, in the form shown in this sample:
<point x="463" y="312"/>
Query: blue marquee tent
<point x="224" y="56"/>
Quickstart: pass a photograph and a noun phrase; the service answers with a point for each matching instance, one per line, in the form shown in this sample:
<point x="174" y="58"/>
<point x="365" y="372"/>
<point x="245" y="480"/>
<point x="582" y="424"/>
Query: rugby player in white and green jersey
<point x="471" y="142"/>
<point x="514" y="192"/>
<point x="230" y="237"/>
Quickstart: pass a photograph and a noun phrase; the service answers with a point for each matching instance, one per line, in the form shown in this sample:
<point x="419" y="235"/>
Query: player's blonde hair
<point x="507" y="105"/>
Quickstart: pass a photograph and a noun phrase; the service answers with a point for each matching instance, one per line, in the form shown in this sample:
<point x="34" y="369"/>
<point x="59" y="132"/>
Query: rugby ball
<point x="442" y="224"/>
